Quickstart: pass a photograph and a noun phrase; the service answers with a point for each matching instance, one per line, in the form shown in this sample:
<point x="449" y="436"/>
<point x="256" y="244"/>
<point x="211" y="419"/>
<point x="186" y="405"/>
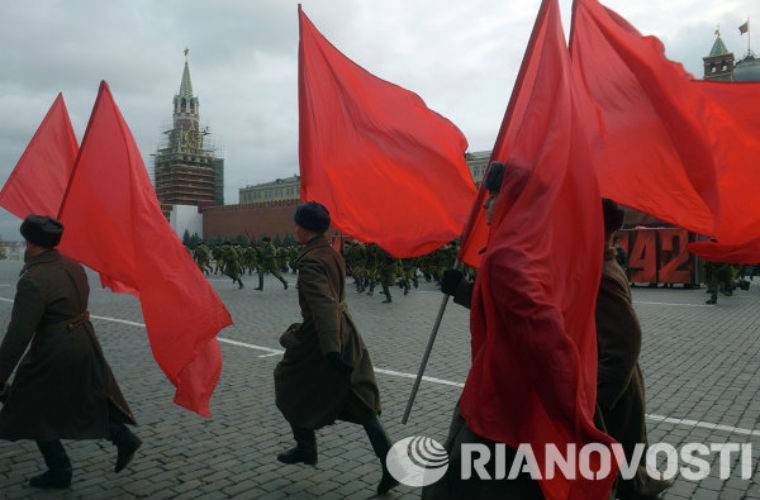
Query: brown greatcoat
<point x="63" y="386"/>
<point x="311" y="392"/>
<point x="620" y="384"/>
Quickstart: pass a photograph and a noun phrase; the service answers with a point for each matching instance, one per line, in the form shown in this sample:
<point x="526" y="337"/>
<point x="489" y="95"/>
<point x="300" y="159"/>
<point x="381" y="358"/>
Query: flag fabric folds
<point x="37" y="183"/>
<point x="115" y="226"/>
<point x="651" y="151"/>
<point x="740" y="101"/>
<point x="389" y="170"/>
<point x="744" y="28"/>
<point x="664" y="143"/>
<point x="534" y="359"/>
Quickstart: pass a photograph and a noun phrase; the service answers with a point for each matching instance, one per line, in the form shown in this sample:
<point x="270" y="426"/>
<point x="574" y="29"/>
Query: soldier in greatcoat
<point x="620" y="397"/>
<point x="326" y="372"/>
<point x="63" y="387"/>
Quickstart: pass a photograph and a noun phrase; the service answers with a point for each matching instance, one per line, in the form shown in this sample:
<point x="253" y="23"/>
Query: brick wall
<point x="252" y="220"/>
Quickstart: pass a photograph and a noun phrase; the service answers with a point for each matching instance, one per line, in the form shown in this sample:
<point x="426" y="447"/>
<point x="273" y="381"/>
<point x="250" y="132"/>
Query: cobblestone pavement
<point x="700" y="364"/>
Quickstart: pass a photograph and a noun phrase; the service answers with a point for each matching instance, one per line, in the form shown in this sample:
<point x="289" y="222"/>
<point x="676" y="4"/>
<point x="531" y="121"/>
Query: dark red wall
<point x="251" y="220"/>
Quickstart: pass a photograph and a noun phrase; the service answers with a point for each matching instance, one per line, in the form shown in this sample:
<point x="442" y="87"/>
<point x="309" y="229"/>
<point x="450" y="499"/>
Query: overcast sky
<point x="461" y="57"/>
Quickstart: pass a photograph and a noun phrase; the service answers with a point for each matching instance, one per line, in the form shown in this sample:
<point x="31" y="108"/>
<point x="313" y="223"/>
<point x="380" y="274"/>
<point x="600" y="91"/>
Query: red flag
<point x="747" y="252"/>
<point x="534" y="359"/>
<point x="390" y="170"/>
<point x="114" y="225"/>
<point x="37" y="183"/>
<point x="741" y="101"/>
<point x="652" y="151"/>
<point x="664" y="143"/>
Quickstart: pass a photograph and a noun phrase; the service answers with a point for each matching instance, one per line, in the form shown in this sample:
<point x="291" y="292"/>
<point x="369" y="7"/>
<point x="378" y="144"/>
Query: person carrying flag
<point x="452" y="486"/>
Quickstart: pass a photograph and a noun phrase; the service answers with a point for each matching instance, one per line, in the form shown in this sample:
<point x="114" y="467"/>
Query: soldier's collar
<point x="46" y="256"/>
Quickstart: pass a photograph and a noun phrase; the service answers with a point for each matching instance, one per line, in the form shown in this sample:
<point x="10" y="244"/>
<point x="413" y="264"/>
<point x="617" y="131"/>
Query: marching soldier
<point x="387" y="268"/>
<point x="409" y="274"/>
<point x="372" y="252"/>
<point x="620" y="396"/>
<point x="250" y="258"/>
<point x="425" y="263"/>
<point x="216" y="253"/>
<point x="202" y="257"/>
<point x="326" y="372"/>
<point x="292" y="256"/>
<point x="444" y="259"/>
<point x="357" y="256"/>
<point x="231" y="263"/>
<point x="719" y="278"/>
<point x="268" y="263"/>
<point x="282" y="258"/>
<point x="63" y="388"/>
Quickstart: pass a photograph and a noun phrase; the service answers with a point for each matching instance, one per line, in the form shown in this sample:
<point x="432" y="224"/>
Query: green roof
<point x="718" y="49"/>
<point x="186" y="87"/>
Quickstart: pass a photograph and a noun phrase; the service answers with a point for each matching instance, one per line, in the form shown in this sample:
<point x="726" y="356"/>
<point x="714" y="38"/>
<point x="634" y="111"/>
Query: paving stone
<point x="701" y="365"/>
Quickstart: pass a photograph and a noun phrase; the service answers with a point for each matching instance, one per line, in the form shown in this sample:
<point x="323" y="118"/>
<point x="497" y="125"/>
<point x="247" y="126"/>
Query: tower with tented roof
<point x="186" y="168"/>
<point x="719" y="64"/>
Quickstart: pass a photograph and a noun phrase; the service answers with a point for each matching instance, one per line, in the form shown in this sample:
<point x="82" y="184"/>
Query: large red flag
<point x="651" y="151"/>
<point x="37" y="183"/>
<point x="115" y="226"/>
<point x="741" y="101"/>
<point x="534" y="359"/>
<point x="664" y="143"/>
<point x="390" y="170"/>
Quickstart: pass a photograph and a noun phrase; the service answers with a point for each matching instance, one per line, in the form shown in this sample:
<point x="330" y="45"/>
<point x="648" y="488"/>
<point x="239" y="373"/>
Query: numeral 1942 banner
<point x="658" y="255"/>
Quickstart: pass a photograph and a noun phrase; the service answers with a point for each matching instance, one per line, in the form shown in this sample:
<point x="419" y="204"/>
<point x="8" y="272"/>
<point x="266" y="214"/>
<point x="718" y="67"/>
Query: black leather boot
<point x="305" y="450"/>
<point x="52" y="480"/>
<point x="297" y="455"/>
<point x="381" y="444"/>
<point x="58" y="475"/>
<point x="387" y="293"/>
<point x="126" y="444"/>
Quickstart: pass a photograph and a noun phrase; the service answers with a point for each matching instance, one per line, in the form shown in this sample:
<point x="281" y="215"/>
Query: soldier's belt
<point x="69" y="323"/>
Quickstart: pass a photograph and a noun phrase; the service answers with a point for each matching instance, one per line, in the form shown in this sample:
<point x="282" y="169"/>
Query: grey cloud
<point x="460" y="57"/>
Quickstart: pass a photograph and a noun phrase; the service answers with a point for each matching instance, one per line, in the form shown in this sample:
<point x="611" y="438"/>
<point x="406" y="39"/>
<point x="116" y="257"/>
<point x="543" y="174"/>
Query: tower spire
<point x="186" y="86"/>
<point x="186" y="105"/>
<point x="719" y="64"/>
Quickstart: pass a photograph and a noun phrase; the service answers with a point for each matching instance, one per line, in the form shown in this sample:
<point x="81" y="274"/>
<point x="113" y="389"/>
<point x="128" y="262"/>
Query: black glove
<point x="334" y="359"/>
<point x="450" y="281"/>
